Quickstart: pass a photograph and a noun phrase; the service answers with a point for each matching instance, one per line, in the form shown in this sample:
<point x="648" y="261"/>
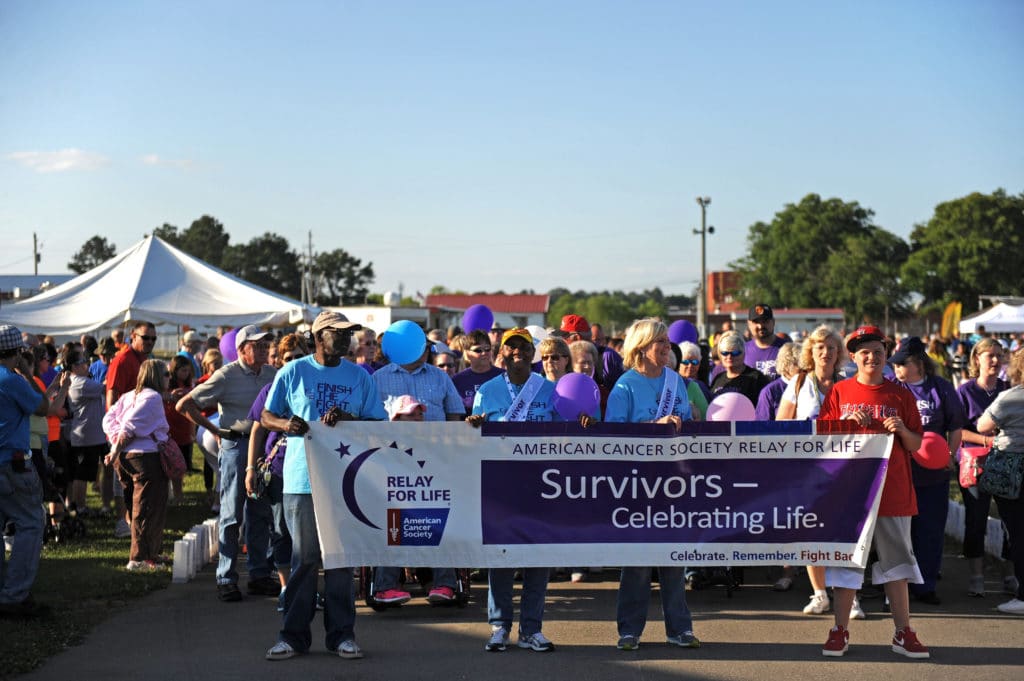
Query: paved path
<point x="184" y="633"/>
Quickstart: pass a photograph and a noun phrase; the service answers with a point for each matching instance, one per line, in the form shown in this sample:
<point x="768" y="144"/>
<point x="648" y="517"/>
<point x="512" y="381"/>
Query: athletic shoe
<point x="578" y="577"/>
<point x="281" y="651"/>
<point x="857" y="612"/>
<point x="228" y="593"/>
<point x="783" y="584"/>
<point x="1014" y="607"/>
<point x="905" y="642"/>
<point x="498" y="641"/>
<point x="818" y="604"/>
<point x="141" y="566"/>
<point x="122" y="529"/>
<point x="263" y="586"/>
<point x="392" y="597"/>
<point x="628" y="642"/>
<point x="538" y="642"/>
<point x="976" y="586"/>
<point x="1011" y="585"/>
<point x="838" y="642"/>
<point x="348" y="650"/>
<point x="441" y="594"/>
<point x="684" y="640"/>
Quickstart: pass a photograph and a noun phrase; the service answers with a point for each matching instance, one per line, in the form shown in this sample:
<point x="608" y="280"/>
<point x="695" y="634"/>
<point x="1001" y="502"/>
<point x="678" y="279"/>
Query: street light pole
<point x="702" y="301"/>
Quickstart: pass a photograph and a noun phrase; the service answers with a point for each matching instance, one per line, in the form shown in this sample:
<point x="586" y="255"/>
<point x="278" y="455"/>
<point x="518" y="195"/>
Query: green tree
<point x="93" y="252"/>
<point x="168" y="233"/>
<point x="346" y="278"/>
<point x="266" y="261"/>
<point x="206" y="239"/>
<point x="970" y="246"/>
<point x="860" y="278"/>
<point x="788" y="260"/>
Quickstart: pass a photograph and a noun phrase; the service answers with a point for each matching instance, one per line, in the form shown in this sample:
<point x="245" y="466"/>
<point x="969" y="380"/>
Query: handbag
<point x="261" y="487"/>
<point x="1003" y="474"/>
<point x="972" y="460"/>
<point x="171" y="459"/>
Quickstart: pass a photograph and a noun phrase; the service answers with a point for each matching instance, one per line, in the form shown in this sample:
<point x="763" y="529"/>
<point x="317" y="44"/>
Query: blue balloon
<point x="477" y="317"/>
<point x="681" y="331"/>
<point x="404" y="342"/>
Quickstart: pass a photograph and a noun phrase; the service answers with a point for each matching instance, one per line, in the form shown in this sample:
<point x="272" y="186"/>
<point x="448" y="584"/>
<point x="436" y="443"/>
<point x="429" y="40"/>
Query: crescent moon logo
<point x="348" y="487"/>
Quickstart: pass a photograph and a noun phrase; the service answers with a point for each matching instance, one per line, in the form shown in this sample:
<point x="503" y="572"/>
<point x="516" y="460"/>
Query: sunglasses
<point x="148" y="339"/>
<point x="445" y="366"/>
<point x="734" y="353"/>
<point x="288" y="358"/>
<point x="480" y="349"/>
<point x="690" y="362"/>
<point x="552" y="358"/>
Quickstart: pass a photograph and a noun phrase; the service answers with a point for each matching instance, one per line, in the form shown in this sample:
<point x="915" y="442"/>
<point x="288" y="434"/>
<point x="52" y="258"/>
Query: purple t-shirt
<point x="975" y="400"/>
<point x="467" y="382"/>
<point x="763" y="359"/>
<point x="941" y="412"/>
<point x="277" y="465"/>
<point x="769" y="399"/>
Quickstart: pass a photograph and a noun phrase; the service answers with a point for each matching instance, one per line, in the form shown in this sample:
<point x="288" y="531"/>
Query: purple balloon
<point x="681" y="331"/>
<point x="576" y="394"/>
<point x="477" y="317"/>
<point x="730" y="406"/>
<point x="227" y="346"/>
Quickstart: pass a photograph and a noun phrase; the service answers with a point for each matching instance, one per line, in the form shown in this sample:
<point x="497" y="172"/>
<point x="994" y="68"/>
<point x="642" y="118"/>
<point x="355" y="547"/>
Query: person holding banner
<point x="323" y="387"/>
<point x="873" y="402"/>
<point x="518" y="395"/>
<point x="650" y="392"/>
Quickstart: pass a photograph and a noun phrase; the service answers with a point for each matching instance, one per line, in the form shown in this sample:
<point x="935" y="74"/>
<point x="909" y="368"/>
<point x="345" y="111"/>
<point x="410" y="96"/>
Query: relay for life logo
<point x="417" y="505"/>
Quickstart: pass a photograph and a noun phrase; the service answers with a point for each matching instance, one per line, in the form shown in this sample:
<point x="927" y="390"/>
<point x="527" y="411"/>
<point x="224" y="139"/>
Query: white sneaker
<point x="1014" y="607"/>
<point x="538" y="642"/>
<point x="281" y="651"/>
<point x="857" y="612"/>
<point x="498" y="641"/>
<point x="818" y="604"/>
<point x="349" y="650"/>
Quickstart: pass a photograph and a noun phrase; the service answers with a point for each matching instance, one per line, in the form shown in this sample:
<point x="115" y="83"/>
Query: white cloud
<point x="155" y="160"/>
<point x="59" y="161"/>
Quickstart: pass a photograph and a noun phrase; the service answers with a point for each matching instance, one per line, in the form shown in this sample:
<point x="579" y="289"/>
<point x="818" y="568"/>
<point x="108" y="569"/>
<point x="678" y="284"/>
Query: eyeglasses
<point x="445" y="366"/>
<point x="690" y="362"/>
<point x="480" y="349"/>
<point x="148" y="339"/>
<point x="552" y="358"/>
<point x="288" y="358"/>
<point x="734" y="353"/>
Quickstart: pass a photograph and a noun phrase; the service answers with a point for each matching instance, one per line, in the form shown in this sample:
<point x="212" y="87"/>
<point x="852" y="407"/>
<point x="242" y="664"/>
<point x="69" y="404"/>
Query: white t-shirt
<point x="808" y="402"/>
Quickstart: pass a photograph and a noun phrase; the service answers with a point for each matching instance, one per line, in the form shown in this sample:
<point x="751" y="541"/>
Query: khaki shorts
<point x="896" y="560"/>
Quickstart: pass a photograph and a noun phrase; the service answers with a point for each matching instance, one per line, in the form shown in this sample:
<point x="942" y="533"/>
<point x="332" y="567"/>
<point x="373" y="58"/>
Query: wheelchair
<point x="420" y="577"/>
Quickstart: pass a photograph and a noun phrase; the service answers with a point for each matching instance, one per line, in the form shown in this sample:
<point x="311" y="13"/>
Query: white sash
<point x="668" y="393"/>
<point x="520" y="406"/>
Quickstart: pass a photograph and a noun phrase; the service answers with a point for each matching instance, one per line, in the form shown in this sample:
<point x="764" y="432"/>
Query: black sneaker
<point x="228" y="593"/>
<point x="263" y="586"/>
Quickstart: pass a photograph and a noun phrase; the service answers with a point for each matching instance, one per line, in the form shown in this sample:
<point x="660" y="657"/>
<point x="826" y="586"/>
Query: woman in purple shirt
<point x="976" y="395"/>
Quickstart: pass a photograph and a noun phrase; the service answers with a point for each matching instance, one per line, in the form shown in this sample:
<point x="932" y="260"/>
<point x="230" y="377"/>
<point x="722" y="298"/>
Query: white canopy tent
<point x="1000" y="318"/>
<point x="153" y="281"/>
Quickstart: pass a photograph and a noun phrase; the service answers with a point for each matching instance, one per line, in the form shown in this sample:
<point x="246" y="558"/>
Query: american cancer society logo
<point x="406" y="482"/>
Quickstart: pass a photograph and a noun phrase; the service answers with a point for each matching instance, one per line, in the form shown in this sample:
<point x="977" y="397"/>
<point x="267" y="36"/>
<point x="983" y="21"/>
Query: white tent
<point x="1000" y="318"/>
<point x="153" y="281"/>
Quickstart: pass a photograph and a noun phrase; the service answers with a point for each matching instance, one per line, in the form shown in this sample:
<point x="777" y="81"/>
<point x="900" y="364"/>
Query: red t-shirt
<point x="884" y="400"/>
<point x="123" y="372"/>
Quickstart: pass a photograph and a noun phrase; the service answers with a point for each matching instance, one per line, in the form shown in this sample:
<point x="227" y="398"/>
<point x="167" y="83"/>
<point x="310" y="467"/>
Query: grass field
<point x="82" y="581"/>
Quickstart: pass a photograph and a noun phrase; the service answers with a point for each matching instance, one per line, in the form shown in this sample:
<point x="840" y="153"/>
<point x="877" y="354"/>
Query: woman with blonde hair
<point x="737" y="377"/>
<point x="136" y="427"/>
<point x="649" y="392"/>
<point x="555" y="357"/>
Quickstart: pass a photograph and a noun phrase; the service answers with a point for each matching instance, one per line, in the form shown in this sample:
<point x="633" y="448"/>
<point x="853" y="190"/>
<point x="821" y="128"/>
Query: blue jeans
<point x="234" y="506"/>
<point x="531" y="604"/>
<point x="385" y="578"/>
<point x="635" y="599"/>
<point x="280" y="538"/>
<point x="300" y="596"/>
<point x="928" y="533"/>
<point x="21" y="502"/>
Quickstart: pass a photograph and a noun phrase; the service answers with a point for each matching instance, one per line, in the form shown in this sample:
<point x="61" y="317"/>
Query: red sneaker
<point x="838" y="642"/>
<point x="392" y="597"/>
<point x="442" y="594"/>
<point x="905" y="642"/>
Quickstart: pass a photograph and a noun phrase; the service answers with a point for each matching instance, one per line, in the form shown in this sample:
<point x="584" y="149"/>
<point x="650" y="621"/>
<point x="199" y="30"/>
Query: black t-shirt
<point x="749" y="384"/>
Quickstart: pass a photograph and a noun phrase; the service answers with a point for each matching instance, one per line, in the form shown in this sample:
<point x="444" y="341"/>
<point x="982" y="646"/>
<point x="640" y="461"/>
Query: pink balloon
<point x="934" y="451"/>
<point x="730" y="406"/>
<point x="227" y="346"/>
<point x="576" y="394"/>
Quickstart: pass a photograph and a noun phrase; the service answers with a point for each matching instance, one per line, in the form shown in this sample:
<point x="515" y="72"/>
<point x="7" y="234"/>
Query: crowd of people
<point x="101" y="413"/>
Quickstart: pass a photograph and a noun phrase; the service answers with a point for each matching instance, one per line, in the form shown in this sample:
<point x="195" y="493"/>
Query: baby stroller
<point x="63" y="522"/>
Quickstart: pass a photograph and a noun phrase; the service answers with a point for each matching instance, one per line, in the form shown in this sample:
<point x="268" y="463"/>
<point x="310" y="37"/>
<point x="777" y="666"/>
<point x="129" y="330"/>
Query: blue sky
<point x="486" y="145"/>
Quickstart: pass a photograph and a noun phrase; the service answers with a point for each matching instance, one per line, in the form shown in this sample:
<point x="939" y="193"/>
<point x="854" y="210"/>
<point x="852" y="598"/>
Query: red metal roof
<point x="521" y="303"/>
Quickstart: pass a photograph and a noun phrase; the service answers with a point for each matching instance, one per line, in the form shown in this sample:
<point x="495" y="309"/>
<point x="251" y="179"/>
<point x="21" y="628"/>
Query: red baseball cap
<point x="862" y="335"/>
<point x="574" y="323"/>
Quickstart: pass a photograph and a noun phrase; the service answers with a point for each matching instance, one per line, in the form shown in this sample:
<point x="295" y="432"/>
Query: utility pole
<point x="702" y="300"/>
<point x="35" y="254"/>
<point x="307" y="271"/>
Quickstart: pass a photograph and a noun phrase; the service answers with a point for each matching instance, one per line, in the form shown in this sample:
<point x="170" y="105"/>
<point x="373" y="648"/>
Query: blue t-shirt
<point x="18" y="400"/>
<point x="306" y="388"/>
<point x="98" y="371"/>
<point x="635" y="398"/>
<point x="493" y="399"/>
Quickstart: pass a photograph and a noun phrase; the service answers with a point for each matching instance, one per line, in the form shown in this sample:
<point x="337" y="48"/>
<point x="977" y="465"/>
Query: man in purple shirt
<point x="481" y="368"/>
<point x="763" y="347"/>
